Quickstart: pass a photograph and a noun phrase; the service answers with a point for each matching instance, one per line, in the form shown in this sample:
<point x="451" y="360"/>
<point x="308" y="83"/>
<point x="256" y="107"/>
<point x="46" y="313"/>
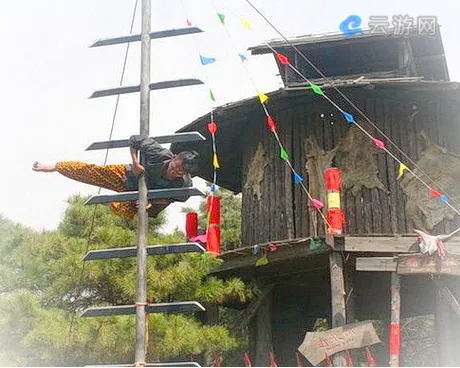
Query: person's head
<point x="185" y="162"/>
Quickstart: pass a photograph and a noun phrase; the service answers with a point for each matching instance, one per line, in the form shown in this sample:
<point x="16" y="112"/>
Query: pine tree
<point x="43" y="286"/>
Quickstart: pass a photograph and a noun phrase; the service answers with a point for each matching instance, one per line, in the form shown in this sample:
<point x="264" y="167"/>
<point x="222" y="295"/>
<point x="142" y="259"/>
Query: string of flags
<point x="211" y="126"/>
<point x="263" y="98"/>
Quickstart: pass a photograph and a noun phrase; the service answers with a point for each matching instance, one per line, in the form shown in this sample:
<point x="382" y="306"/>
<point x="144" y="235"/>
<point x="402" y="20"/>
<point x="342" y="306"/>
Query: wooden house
<point x="401" y="84"/>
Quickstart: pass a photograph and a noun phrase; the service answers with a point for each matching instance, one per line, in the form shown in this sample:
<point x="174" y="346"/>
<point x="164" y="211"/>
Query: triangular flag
<point x="213" y="188"/>
<point x="247" y="360"/>
<point x="262" y="262"/>
<point x="314" y="244"/>
<point x="215" y="162"/>
<point x="262" y="97"/>
<point x="350" y="119"/>
<point x="379" y="143"/>
<point x="272" y="360"/>
<point x="316" y="89"/>
<point x="245" y="23"/>
<point x="284" y="154"/>
<point x="283" y="59"/>
<point x="272" y="247"/>
<point x="317" y="203"/>
<point x="211" y="95"/>
<point x="444" y="198"/>
<point x="221" y="17"/>
<point x="435" y="194"/>
<point x="189" y="23"/>
<point x="207" y="60"/>
<point x="297" y="178"/>
<point x="243" y="57"/>
<point x="402" y="167"/>
<point x="271" y="123"/>
<point x="212" y="127"/>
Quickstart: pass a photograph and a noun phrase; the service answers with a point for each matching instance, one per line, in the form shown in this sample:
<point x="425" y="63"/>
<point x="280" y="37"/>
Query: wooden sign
<point x="316" y="345"/>
<point x="425" y="264"/>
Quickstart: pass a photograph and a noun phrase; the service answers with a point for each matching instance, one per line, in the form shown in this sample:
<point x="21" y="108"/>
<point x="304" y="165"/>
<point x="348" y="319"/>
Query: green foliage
<point x="230" y="213"/>
<point x="42" y="287"/>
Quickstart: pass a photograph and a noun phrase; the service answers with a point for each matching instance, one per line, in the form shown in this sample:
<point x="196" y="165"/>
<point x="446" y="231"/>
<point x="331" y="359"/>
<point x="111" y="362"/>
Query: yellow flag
<point x="215" y="162"/>
<point x="262" y="96"/>
<point x="246" y="23"/>
<point x="262" y="261"/>
<point x="402" y="167"/>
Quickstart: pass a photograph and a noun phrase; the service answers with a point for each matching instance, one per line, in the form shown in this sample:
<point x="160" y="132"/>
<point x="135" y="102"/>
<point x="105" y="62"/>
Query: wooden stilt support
<point x="338" y="299"/>
<point x="264" y="333"/>
<point x="395" y="330"/>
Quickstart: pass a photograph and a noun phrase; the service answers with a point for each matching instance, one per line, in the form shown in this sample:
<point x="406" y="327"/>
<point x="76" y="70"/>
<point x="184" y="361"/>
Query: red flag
<point x="370" y="359"/>
<point x="348" y="360"/>
<point x="282" y="58"/>
<point x="435" y="193"/>
<point x="247" y="360"/>
<point x="299" y="359"/>
<point x="271" y="123"/>
<point x="272" y="360"/>
<point x="328" y="361"/>
<point x="212" y="127"/>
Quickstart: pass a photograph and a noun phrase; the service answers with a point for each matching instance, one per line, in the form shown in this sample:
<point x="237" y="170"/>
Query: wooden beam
<point x="444" y="332"/>
<point x="338" y="299"/>
<point x="251" y="310"/>
<point x="389" y="244"/>
<point x="264" y="333"/>
<point x="375" y="264"/>
<point x="450" y="299"/>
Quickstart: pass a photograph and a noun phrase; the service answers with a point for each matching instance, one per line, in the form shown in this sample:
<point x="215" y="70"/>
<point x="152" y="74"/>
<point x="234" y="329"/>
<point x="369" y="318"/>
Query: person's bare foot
<point x="38" y="166"/>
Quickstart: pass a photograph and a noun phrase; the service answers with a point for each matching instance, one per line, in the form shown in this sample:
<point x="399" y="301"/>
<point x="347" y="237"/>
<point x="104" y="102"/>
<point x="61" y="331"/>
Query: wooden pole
<point x="142" y="233"/>
<point x="395" y="330"/>
<point x="338" y="299"/>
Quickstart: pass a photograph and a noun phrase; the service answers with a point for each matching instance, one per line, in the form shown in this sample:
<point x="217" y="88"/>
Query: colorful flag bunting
<point x="348" y="360"/>
<point x="284" y="155"/>
<point x="435" y="194"/>
<point x="271" y="123"/>
<point x="328" y="361"/>
<point x="262" y="97"/>
<point x="215" y="162"/>
<point x="297" y="178"/>
<point x="245" y="23"/>
<point x="350" y="119"/>
<point x="212" y="127"/>
<point x="402" y="168"/>
<point x="247" y="360"/>
<point x="221" y="17"/>
<point x="316" y="89"/>
<point x="379" y="143"/>
<point x="207" y="60"/>
<point x="283" y="59"/>
<point x="189" y="23"/>
<point x="213" y="188"/>
<point x="444" y="198"/>
<point x="256" y="249"/>
<point x="317" y="204"/>
<point x="243" y="57"/>
<point x="263" y="261"/>
<point x="211" y="95"/>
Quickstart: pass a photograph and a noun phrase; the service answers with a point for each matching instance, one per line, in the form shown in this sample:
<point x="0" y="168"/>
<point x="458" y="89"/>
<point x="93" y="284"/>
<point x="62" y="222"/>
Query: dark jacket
<point x="155" y="159"/>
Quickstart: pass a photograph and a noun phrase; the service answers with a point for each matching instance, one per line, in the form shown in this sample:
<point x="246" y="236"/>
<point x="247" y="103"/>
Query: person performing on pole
<point x="161" y="167"/>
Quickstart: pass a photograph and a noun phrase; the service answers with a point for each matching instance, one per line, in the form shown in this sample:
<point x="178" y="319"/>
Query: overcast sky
<point x="48" y="72"/>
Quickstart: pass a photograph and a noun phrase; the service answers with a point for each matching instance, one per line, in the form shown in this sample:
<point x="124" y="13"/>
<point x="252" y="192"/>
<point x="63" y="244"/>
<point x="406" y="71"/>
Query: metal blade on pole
<point x="153" y="35"/>
<point x="142" y="234"/>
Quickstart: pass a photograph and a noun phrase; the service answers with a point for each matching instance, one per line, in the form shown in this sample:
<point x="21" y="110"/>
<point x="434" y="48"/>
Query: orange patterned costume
<point x="111" y="177"/>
